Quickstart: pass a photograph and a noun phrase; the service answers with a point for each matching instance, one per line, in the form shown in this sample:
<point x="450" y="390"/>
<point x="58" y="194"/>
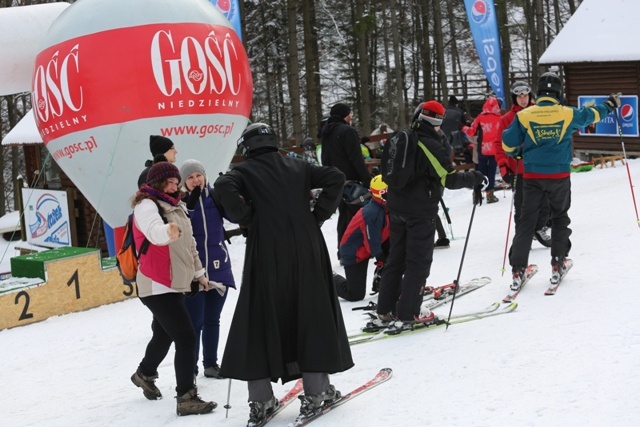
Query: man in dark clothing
<point x="162" y="150"/>
<point x="454" y="120"/>
<point x="413" y="209"/>
<point x="546" y="129"/>
<point x="341" y="149"/>
<point x="287" y="323"/>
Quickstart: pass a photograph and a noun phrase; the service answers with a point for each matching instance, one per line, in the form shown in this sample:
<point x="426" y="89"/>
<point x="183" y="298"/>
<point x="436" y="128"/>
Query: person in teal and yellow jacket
<point x="546" y="129"/>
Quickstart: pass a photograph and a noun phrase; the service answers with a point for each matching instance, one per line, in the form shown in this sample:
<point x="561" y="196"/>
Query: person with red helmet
<point x="367" y="236"/>
<point x="413" y="207"/>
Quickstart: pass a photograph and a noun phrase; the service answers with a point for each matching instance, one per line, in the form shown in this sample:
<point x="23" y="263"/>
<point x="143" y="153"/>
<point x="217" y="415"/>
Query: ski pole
<point x="464" y="251"/>
<point x="626" y="162"/>
<point x="513" y="200"/>
<point x="227" y="406"/>
<point x="446" y="214"/>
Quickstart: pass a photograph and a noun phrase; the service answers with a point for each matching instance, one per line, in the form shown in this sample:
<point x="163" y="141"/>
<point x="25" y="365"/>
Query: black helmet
<point x="257" y="135"/>
<point x="520" y="88"/>
<point x="550" y="84"/>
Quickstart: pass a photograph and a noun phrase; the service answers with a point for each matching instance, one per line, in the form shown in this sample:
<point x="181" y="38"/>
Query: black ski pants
<point x="518" y="196"/>
<point x="171" y="324"/>
<point x="407" y="266"/>
<point x="558" y="192"/>
<point x="355" y="287"/>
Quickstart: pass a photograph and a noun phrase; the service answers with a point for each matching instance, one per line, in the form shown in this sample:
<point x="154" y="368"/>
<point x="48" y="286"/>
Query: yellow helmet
<point x="378" y="187"/>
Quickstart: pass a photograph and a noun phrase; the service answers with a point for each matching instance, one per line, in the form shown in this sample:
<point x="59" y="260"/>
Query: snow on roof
<point x="599" y="31"/>
<point x="25" y="132"/>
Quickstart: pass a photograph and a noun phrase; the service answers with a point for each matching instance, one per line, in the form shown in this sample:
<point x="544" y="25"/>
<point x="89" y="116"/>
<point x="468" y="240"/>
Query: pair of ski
<point x="531" y="270"/>
<point x="382" y="376"/>
<point x="436" y="296"/>
<point x="490" y="311"/>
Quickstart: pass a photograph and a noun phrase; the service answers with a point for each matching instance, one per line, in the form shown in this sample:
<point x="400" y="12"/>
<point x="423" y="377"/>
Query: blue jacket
<point x="208" y="231"/>
<point x="546" y="129"/>
<point x="365" y="234"/>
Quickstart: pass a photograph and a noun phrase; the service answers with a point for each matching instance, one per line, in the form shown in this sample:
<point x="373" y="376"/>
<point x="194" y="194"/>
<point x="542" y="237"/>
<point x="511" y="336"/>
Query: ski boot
<point x="312" y="404"/>
<point x="558" y="270"/>
<point x="543" y="237"/>
<point x="441" y="243"/>
<point x="518" y="278"/>
<point x="259" y="411"/>
<point x="375" y="325"/>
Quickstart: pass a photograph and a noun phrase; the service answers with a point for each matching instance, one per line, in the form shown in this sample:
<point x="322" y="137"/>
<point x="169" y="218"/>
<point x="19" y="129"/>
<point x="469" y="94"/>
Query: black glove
<point x="195" y="288"/>
<point x="245" y="231"/>
<point x="614" y="100"/>
<point x="228" y="234"/>
<point x="477" y="195"/>
<point x="193" y="197"/>
<point x="474" y="178"/>
<point x="507" y="174"/>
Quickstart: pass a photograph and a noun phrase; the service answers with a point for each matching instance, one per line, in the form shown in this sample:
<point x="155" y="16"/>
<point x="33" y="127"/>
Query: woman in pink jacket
<point x="486" y="127"/>
<point x="167" y="268"/>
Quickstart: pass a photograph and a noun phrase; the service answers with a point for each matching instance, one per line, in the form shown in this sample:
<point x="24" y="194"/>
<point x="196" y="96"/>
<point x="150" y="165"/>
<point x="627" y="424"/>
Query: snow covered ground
<point x="567" y="360"/>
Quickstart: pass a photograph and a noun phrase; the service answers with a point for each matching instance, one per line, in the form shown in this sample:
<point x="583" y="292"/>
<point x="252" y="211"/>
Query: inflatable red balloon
<point x="114" y="72"/>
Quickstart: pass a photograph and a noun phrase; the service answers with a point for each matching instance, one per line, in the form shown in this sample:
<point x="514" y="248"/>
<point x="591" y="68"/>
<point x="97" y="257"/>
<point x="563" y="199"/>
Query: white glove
<point x="218" y="287"/>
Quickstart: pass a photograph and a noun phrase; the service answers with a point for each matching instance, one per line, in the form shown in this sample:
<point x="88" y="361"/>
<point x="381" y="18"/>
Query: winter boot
<point x="441" y="243"/>
<point x="190" y="403"/>
<point x="518" y="278"/>
<point x="147" y="384"/>
<point x="213" y="372"/>
<point x="258" y="411"/>
<point x="491" y="198"/>
<point x="543" y="237"/>
<point x="310" y="404"/>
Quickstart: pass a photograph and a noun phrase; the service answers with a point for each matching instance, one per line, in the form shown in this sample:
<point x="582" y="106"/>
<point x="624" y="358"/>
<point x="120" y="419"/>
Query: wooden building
<point x="597" y="54"/>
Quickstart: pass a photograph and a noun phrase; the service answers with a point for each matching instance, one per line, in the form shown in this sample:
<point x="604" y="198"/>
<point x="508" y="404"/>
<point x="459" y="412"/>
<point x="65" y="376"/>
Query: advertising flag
<point x="231" y="10"/>
<point x="484" y="29"/>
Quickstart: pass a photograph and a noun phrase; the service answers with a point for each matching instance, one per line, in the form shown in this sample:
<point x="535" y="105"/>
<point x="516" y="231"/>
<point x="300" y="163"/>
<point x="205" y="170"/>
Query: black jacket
<point x="341" y="148"/>
<point x="287" y="318"/>
<point x="421" y="197"/>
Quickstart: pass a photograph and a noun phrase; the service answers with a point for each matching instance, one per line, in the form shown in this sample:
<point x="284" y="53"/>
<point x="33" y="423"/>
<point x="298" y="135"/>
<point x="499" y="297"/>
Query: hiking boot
<point x="311" y="404"/>
<point x="543" y="237"/>
<point x="191" y="404"/>
<point x="441" y="243"/>
<point x="259" y="411"/>
<point x="491" y="198"/>
<point x="518" y="278"/>
<point x="147" y="384"/>
<point x="213" y="372"/>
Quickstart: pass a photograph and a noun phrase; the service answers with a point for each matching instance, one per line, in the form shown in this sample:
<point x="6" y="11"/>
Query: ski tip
<point x="512" y="306"/>
<point x="387" y="371"/>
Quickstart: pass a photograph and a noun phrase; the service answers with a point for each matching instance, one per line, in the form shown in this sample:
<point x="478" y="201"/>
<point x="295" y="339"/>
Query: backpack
<point x="398" y="163"/>
<point x="127" y="256"/>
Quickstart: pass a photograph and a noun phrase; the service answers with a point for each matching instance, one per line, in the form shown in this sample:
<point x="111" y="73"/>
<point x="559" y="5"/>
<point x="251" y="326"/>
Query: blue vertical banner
<point x="231" y="10"/>
<point x="484" y="29"/>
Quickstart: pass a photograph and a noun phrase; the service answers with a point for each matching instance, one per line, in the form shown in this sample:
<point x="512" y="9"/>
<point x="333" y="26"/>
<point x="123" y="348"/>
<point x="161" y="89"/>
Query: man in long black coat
<point x="287" y="323"/>
<point x="341" y="148"/>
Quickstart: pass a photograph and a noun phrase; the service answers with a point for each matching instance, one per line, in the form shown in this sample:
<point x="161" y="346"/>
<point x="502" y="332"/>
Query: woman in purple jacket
<point x="207" y="223"/>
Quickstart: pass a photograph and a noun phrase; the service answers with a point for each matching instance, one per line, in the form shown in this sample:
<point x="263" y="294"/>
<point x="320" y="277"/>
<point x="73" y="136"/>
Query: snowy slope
<point x="567" y="360"/>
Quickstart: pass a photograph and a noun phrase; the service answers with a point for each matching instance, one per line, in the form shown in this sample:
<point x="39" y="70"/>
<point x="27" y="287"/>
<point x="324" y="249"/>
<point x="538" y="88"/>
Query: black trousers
<point x="558" y="192"/>
<point x="407" y="266"/>
<point x="518" y="196"/>
<point x="171" y="324"/>
<point x="355" y="287"/>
